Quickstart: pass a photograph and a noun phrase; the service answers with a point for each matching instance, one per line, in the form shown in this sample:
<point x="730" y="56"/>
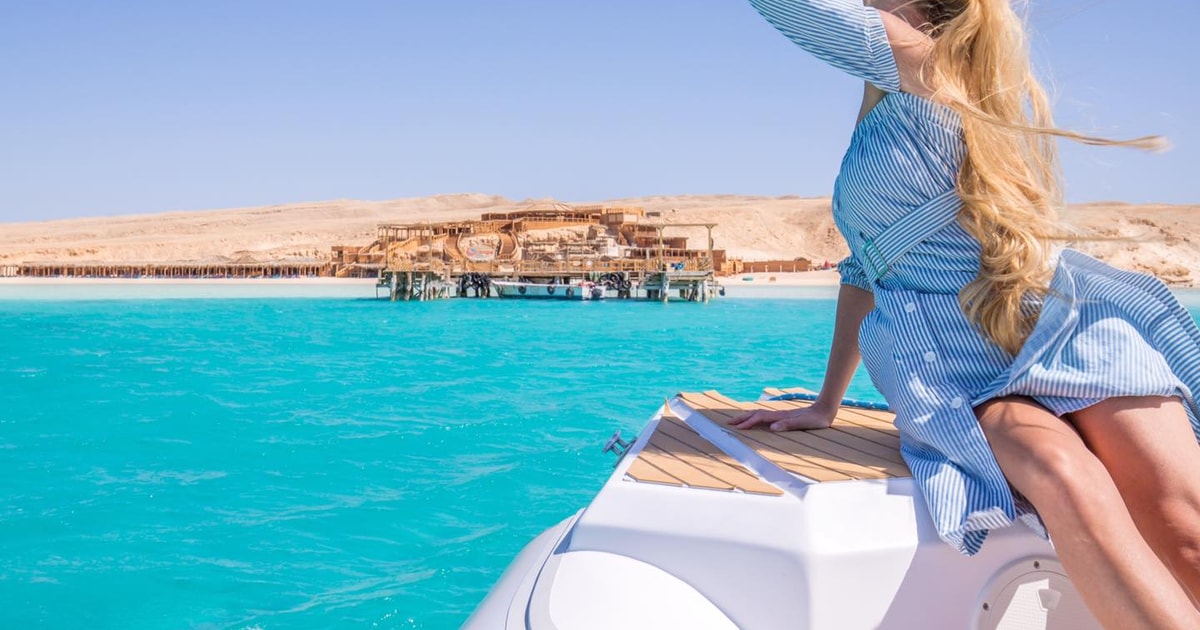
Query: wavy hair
<point x="1010" y="179"/>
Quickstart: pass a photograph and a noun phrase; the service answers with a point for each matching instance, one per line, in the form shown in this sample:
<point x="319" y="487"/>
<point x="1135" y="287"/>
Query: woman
<point x="1011" y="366"/>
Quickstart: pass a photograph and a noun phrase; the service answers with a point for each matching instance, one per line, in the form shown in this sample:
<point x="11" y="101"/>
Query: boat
<point x="704" y="527"/>
<point x="534" y="290"/>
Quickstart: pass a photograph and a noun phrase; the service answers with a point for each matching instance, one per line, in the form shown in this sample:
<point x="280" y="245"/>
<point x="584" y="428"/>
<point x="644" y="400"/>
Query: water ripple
<point x="329" y="463"/>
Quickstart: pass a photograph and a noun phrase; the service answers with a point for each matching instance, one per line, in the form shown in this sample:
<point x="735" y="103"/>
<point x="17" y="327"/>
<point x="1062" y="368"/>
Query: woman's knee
<point x="1181" y="518"/>
<point x="1062" y="473"/>
<point x="1041" y="455"/>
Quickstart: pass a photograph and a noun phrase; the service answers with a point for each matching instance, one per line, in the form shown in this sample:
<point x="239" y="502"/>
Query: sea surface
<point x="330" y="462"/>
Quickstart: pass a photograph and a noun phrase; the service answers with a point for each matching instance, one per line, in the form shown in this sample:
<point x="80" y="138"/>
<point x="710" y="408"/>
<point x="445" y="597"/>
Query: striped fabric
<point x="1103" y="333"/>
<point x="886" y="249"/>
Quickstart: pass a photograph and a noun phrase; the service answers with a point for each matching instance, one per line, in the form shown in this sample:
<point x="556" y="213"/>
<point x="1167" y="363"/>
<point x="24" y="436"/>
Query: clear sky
<point x="123" y="107"/>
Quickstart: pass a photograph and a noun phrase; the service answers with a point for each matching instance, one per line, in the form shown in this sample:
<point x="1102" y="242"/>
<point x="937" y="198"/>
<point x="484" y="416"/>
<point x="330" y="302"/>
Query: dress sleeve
<point x="843" y="33"/>
<point x="852" y="274"/>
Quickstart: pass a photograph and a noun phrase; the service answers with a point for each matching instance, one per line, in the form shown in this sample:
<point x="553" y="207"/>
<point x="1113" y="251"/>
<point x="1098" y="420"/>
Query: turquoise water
<point x="331" y="463"/>
<point x="326" y="463"/>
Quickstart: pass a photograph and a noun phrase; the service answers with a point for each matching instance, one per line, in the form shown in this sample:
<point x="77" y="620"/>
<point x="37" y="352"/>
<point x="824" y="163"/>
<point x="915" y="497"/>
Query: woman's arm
<point x="869" y="42"/>
<point x="853" y="305"/>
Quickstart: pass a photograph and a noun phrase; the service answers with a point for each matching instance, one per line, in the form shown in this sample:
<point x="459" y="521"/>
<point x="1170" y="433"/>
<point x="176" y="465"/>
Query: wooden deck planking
<point x="856" y="438"/>
<point x="857" y="446"/>
<point x="729" y="478"/>
<point x="877" y="414"/>
<point x="677" y="437"/>
<point x="845" y="444"/>
<point x="872" y="429"/>
<point x="775" y="391"/>
<point x="869" y="418"/>
<point x="682" y="470"/>
<point x="855" y="430"/>
<point x="815" y="466"/>
<point x="783" y="453"/>
<point x="677" y="455"/>
<point x="816" y="449"/>
<point x="644" y="471"/>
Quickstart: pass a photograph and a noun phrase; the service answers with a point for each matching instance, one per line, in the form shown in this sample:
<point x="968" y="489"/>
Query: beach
<point x="812" y="284"/>
<point x="1152" y="238"/>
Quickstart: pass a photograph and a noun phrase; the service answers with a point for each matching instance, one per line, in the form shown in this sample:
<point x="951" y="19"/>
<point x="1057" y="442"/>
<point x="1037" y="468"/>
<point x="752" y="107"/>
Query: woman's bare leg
<point x="1150" y="452"/>
<point x="1118" y="575"/>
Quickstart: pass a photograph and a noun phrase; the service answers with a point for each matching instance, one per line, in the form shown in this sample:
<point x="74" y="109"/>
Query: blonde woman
<point x="1011" y="365"/>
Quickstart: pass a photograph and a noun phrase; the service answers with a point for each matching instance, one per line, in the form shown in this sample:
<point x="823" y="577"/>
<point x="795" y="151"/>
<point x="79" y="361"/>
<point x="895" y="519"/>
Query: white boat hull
<point x="531" y="290"/>
<point x="823" y="556"/>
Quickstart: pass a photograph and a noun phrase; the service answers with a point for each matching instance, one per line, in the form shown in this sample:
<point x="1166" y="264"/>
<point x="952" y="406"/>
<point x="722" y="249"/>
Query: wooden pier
<point x="692" y="286"/>
<point x="624" y="279"/>
<point x="626" y="250"/>
<point x="180" y="270"/>
<point x="419" y="285"/>
<point x="552" y="244"/>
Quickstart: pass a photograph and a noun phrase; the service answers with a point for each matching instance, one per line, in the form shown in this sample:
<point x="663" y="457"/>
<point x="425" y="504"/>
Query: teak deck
<point x="678" y="456"/>
<point x="861" y="444"/>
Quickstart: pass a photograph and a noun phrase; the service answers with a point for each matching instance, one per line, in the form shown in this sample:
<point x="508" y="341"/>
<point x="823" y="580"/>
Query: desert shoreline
<point x="800" y="285"/>
<point x="822" y="278"/>
<point x="1150" y="238"/>
<point x="816" y="285"/>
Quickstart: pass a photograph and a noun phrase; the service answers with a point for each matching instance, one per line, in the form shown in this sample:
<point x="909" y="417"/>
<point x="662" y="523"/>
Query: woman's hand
<point x="803" y="419"/>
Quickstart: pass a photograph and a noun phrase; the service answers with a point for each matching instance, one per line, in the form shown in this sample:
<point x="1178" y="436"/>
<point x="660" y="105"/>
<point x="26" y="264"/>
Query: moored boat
<point x="534" y="290"/>
<point x="700" y="526"/>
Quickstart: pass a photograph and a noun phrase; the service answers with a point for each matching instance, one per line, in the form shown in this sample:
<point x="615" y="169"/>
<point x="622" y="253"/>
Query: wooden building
<point x="775" y="266"/>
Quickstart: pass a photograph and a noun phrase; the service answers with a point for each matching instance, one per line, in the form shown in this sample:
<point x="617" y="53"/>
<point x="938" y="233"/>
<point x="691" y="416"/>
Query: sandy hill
<point x="1156" y="238"/>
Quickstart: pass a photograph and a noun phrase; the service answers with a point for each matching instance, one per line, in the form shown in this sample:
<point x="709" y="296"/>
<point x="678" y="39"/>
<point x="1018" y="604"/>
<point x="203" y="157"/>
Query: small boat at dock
<point x="702" y="526"/>
<point x="534" y="290"/>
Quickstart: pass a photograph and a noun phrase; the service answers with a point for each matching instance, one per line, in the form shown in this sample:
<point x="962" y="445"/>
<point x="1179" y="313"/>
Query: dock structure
<point x="692" y="286"/>
<point x="179" y="270"/>
<point x="621" y="252"/>
<point x="345" y="262"/>
<point x="617" y="248"/>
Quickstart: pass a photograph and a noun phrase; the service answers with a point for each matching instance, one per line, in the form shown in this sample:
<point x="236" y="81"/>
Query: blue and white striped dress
<point x="1103" y="333"/>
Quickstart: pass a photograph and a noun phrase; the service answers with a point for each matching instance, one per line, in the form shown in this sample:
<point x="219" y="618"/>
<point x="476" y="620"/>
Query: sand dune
<point x="1155" y="238"/>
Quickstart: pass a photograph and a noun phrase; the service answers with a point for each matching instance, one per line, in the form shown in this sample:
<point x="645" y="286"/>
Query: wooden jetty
<point x="632" y="253"/>
<point x="617" y="248"/>
<point x="184" y="270"/>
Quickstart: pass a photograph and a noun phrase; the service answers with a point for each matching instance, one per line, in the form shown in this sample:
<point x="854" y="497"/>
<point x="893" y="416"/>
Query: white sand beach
<point x="1150" y="237"/>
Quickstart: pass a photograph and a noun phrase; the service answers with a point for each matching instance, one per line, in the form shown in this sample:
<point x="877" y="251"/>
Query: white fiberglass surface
<point x="593" y="589"/>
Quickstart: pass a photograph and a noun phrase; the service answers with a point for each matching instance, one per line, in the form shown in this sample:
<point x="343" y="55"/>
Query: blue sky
<point x="128" y="107"/>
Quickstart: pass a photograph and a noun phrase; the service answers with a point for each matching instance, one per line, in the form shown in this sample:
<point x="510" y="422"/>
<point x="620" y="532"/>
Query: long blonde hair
<point x="1010" y="180"/>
